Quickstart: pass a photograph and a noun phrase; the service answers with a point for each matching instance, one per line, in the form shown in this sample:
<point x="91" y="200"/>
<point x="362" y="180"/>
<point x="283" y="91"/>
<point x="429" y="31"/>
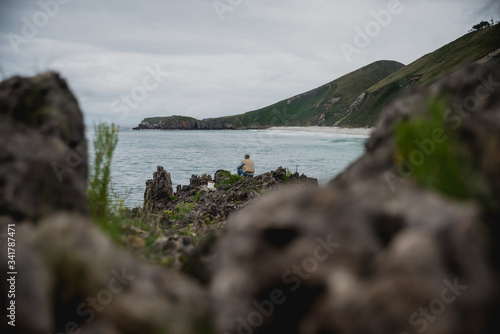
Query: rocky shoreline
<point x="227" y="194"/>
<point x="187" y="123"/>
<point x="198" y="212"/>
<point x="326" y="129"/>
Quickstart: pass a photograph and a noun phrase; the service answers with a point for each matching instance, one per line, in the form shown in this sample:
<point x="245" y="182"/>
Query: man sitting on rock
<point x="246" y="167"/>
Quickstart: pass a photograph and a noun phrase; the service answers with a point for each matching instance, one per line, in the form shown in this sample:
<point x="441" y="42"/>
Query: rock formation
<point x="70" y="277"/>
<point x="380" y="250"/>
<point x="230" y="194"/>
<point x="158" y="190"/>
<point x="43" y="148"/>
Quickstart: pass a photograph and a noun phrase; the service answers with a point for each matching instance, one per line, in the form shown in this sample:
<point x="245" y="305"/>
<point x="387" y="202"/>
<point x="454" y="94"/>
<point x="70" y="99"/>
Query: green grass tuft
<point x="229" y="179"/>
<point x="181" y="211"/>
<point x="433" y="155"/>
<point x="99" y="195"/>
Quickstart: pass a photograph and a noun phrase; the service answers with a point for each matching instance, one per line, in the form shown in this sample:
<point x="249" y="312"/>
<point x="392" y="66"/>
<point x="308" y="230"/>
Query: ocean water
<point x="183" y="153"/>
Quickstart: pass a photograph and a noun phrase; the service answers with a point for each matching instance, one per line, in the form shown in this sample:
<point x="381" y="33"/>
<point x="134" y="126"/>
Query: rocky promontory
<point x="190" y="123"/>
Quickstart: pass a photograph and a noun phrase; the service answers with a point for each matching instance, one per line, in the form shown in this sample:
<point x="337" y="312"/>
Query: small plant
<point x="286" y="175"/>
<point x="105" y="205"/>
<point x="180" y="212"/>
<point x="173" y="198"/>
<point x="437" y="162"/>
<point x="230" y="179"/>
<point x="209" y="220"/>
<point x="100" y="179"/>
<point x="190" y="232"/>
<point x="196" y="198"/>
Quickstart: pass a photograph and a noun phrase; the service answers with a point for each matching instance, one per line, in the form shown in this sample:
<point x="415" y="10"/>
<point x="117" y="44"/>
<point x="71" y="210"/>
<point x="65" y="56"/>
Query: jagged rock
<point x="371" y="253"/>
<point x="158" y="190"/>
<point x="43" y="151"/>
<point x="198" y="181"/>
<point x="215" y="205"/>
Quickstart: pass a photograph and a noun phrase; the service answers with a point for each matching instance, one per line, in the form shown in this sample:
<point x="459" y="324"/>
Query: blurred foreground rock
<point x="373" y="252"/>
<point x="70" y="277"/>
<point x="43" y="151"/>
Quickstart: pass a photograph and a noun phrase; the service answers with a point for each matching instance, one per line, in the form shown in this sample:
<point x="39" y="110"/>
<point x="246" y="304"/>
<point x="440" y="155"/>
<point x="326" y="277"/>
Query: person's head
<point x="247" y="156"/>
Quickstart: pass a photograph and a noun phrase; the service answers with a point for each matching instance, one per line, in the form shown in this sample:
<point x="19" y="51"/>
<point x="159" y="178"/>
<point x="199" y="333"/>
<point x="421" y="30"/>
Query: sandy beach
<point x="327" y="129"/>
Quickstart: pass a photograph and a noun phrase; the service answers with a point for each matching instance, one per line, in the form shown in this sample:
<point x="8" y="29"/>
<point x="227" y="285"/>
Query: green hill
<point x="480" y="46"/>
<point x="324" y="105"/>
<point x="355" y="99"/>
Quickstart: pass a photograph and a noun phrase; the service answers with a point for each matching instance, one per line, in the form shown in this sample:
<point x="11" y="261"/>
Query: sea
<point x="183" y="153"/>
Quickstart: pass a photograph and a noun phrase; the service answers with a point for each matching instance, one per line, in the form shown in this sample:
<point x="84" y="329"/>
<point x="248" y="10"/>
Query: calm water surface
<point x="183" y="153"/>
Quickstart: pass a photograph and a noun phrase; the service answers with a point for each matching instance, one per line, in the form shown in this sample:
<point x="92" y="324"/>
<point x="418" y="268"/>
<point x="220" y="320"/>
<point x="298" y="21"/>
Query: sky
<point x="130" y="59"/>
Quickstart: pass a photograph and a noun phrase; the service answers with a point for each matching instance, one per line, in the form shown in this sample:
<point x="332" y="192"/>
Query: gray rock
<point x="198" y="181"/>
<point x="158" y="190"/>
<point x="43" y="151"/>
<point x="70" y="274"/>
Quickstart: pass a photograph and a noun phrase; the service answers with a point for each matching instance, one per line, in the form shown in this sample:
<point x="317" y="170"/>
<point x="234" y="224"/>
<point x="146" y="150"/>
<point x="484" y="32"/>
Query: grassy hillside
<point x="324" y="105"/>
<point x="425" y="71"/>
<point x="448" y="58"/>
<point x="356" y="99"/>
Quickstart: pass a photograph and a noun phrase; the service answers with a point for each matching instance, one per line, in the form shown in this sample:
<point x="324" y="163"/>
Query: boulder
<point x="43" y="151"/>
<point x="380" y="249"/>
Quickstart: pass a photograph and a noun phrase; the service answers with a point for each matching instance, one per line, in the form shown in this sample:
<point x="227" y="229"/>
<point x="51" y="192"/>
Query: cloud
<point x="262" y="52"/>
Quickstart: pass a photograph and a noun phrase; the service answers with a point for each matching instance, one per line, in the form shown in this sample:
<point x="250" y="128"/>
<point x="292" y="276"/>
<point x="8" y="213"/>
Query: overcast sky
<point x="129" y="59"/>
